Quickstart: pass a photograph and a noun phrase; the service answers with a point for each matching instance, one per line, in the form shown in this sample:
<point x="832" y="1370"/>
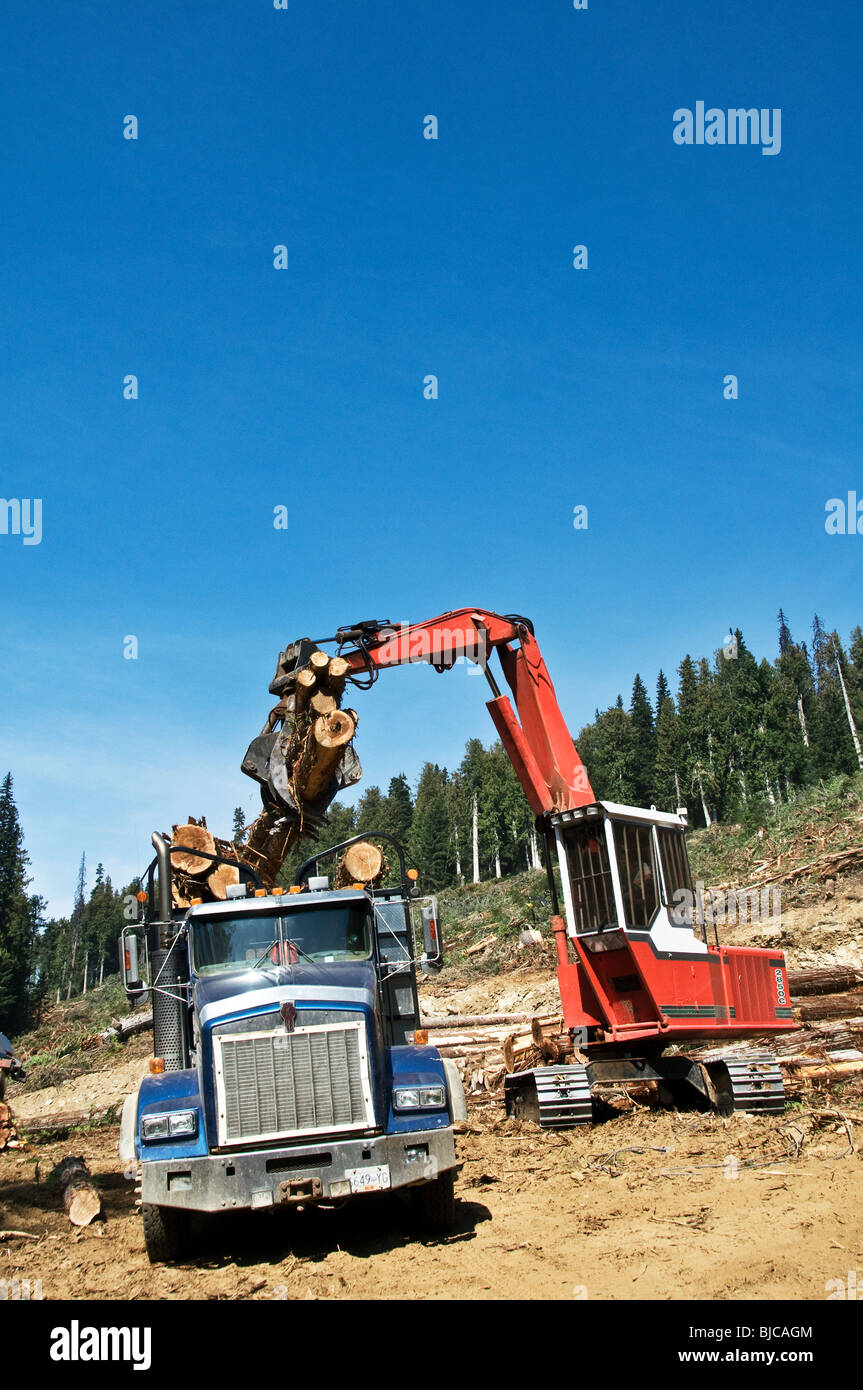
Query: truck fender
<point x="129" y="1128"/>
<point x="457" y="1102"/>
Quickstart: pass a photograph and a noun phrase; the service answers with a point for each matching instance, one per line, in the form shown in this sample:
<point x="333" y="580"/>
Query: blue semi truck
<point x="289" y="1065"/>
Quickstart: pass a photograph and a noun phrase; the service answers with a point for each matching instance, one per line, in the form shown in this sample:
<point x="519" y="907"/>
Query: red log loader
<point x="638" y="980"/>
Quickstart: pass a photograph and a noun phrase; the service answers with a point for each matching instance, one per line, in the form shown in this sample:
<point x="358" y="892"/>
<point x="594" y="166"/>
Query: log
<point x="829" y="1006"/>
<point x="321" y="751"/>
<point x="319" y="662"/>
<point x="196" y="836"/>
<point x="127" y="1027"/>
<point x="80" y="1198"/>
<point x="480" y="945"/>
<point x="471" y="1050"/>
<point x="220" y="877"/>
<point x="515" y="1048"/>
<point x="466" y="1041"/>
<point x="322" y="703"/>
<point x="66" y="1120"/>
<point x="828" y="980"/>
<point x="361" y="863"/>
<point x="826" y="1071"/>
<point x="305" y="683"/>
<point x="267" y="843"/>
<point x="481" y="1020"/>
<point x="336" y="675"/>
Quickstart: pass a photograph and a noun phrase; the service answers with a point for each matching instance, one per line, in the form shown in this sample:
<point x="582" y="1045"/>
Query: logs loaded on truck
<point x="302" y="758"/>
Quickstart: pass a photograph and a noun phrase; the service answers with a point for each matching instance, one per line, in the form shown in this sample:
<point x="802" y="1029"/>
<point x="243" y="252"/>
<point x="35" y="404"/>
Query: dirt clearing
<point x="581" y="1214"/>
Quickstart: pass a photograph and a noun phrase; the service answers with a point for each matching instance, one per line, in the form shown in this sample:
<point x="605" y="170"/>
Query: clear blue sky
<point x="304" y="387"/>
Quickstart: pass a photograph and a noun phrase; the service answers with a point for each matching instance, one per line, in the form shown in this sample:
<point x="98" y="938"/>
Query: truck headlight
<point x="176" y="1124"/>
<point x="419" y="1097"/>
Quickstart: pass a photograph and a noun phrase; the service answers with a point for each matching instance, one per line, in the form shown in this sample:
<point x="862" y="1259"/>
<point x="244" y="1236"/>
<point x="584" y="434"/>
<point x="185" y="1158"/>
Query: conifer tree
<point x="398" y="809"/>
<point x="667" y="782"/>
<point x="832" y="745"/>
<point x="20" y="920"/>
<point x="370" y="811"/>
<point x="795" y="695"/>
<point x="430" y="832"/>
<point x="693" y="733"/>
<point x="642" y="763"/>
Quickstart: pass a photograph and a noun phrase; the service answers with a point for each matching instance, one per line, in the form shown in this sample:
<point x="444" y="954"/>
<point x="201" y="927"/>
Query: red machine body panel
<point x="728" y="992"/>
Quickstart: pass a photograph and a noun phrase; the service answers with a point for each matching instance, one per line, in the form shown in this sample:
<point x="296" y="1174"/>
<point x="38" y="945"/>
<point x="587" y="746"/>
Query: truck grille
<point x="275" y="1085"/>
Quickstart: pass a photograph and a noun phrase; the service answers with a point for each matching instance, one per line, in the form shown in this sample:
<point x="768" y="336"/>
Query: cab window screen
<point x="638" y="875"/>
<point x="590" y="876"/>
<point x="675" y="864"/>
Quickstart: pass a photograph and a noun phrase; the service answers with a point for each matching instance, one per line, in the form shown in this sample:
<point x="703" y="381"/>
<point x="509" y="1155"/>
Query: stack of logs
<point x="8" y="1133"/>
<point x="193" y="876"/>
<point x="315" y="732"/>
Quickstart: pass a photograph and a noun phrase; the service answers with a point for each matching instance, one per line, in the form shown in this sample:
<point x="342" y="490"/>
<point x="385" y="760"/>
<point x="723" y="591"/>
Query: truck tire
<point x="434" y="1203"/>
<point x="165" y="1232"/>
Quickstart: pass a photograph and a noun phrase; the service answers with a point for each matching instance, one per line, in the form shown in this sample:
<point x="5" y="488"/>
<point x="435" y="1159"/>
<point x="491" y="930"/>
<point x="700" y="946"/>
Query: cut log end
<point x="322" y="703"/>
<point x="361" y="863"/>
<point x="334" y="730"/>
<point x="80" y="1198"/>
<point x="219" y="879"/>
<point x="84" y="1207"/>
<point x="193" y="837"/>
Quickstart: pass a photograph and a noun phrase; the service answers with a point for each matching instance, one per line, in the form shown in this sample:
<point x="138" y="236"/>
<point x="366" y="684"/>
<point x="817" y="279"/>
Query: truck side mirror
<point x="432" y="957"/>
<point x="134" y="961"/>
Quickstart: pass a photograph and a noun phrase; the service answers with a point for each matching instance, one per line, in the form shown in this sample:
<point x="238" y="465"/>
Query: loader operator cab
<point x="624" y="868"/>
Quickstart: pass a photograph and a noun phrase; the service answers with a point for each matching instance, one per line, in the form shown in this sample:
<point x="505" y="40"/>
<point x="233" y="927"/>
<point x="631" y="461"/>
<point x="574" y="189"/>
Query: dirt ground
<point x="646" y="1205"/>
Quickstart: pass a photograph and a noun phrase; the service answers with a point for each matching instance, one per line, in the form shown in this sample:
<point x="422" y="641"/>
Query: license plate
<point x="375" y="1178"/>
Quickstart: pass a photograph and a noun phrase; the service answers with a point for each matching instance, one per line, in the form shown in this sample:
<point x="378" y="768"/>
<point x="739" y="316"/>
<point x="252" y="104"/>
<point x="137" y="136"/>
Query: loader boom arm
<point x="534" y="734"/>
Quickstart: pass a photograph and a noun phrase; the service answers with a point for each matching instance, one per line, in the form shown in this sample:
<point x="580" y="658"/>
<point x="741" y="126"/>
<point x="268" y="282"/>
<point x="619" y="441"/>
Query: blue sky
<point x="304" y="387"/>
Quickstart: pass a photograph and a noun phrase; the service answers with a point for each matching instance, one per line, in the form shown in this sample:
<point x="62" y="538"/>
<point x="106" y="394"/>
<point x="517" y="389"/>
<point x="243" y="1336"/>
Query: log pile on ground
<point x="826" y="1050"/>
<point x="8" y="1133"/>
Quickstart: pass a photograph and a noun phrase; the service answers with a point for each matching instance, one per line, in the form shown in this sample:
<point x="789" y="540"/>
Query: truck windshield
<point x="331" y="932"/>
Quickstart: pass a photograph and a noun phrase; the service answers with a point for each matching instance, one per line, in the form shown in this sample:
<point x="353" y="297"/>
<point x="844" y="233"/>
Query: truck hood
<point x="337" y="983"/>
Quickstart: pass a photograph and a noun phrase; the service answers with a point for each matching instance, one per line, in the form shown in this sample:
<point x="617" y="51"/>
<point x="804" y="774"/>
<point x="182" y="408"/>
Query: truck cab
<point x="289" y="1064"/>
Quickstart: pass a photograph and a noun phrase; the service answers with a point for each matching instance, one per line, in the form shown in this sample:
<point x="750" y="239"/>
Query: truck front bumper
<point x="308" y="1173"/>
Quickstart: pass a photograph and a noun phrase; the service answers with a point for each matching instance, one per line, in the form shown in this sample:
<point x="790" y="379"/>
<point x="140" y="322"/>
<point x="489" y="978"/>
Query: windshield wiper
<point x="261" y="959"/>
<point x="275" y="942"/>
<point x="300" y="952"/>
